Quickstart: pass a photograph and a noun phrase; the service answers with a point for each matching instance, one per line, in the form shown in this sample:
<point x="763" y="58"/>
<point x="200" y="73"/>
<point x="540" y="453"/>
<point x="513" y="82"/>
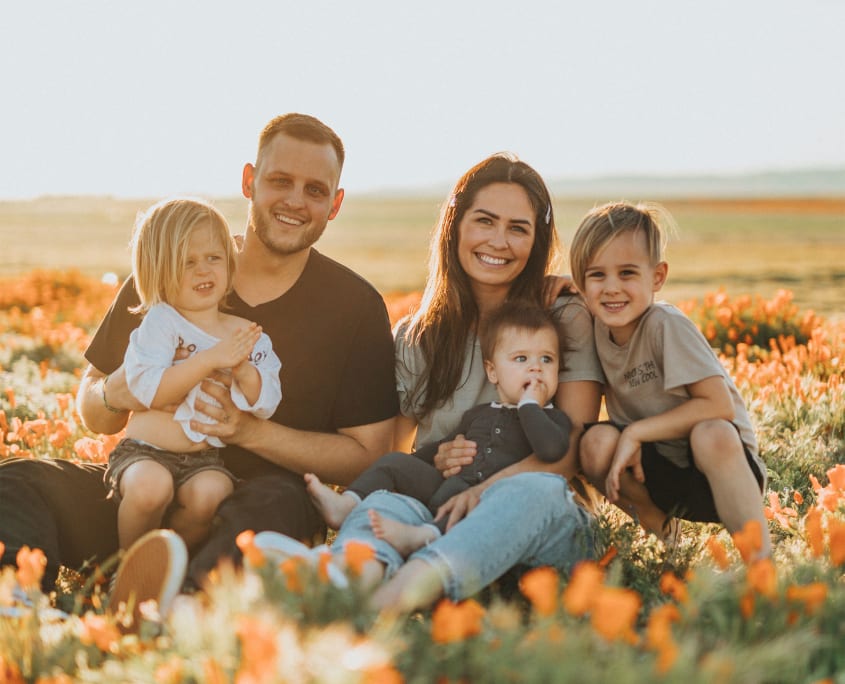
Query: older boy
<point x="680" y="442"/>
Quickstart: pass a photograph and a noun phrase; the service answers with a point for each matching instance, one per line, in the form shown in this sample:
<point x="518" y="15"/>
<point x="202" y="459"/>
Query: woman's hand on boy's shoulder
<point x="555" y="286"/>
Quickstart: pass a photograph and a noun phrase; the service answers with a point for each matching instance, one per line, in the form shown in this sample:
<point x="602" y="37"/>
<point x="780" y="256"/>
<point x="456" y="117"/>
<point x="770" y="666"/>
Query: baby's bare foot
<point x="334" y="507"/>
<point x="404" y="538"/>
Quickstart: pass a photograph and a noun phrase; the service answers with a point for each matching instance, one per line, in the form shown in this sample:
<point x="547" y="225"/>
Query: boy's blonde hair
<point x="606" y="222"/>
<point x="160" y="247"/>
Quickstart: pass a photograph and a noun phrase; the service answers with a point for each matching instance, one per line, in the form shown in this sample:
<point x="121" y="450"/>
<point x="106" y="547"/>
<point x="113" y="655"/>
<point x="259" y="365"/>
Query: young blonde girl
<point x="183" y="265"/>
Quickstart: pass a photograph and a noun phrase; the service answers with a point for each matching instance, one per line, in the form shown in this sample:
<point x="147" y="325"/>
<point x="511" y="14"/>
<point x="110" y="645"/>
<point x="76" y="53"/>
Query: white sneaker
<point x="278" y="547"/>
<point x="153" y="569"/>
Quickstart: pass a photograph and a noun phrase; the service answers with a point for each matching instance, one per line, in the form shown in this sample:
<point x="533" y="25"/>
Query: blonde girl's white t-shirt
<point x="580" y="362"/>
<point x="150" y="352"/>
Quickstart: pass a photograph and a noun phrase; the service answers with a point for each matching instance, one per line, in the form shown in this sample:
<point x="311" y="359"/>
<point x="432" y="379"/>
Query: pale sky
<point x="160" y="97"/>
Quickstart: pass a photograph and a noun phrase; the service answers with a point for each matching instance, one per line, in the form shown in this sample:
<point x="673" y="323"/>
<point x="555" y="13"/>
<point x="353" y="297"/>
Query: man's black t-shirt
<point x="332" y="334"/>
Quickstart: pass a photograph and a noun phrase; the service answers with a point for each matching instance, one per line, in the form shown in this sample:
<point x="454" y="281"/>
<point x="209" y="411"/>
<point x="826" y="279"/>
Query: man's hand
<point x="460" y="505"/>
<point x="231" y="422"/>
<point x="454" y="455"/>
<point x="628" y="455"/>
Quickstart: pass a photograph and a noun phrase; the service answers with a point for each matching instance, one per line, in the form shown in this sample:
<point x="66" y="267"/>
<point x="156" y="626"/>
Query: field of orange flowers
<point x="699" y="612"/>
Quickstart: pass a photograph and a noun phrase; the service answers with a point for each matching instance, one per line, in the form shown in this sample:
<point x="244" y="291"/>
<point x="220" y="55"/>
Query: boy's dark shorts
<point x="681" y="492"/>
<point x="181" y="466"/>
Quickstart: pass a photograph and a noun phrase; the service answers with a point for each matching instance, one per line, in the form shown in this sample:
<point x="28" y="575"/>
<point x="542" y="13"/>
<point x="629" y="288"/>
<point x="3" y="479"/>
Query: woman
<point x="495" y="240"/>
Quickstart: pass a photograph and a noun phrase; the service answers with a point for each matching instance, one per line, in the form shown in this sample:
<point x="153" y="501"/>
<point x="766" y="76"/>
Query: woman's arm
<point x="404" y="434"/>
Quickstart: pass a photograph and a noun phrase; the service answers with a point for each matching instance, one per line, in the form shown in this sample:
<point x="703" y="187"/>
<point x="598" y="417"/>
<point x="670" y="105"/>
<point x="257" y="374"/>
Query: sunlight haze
<point x="155" y="98"/>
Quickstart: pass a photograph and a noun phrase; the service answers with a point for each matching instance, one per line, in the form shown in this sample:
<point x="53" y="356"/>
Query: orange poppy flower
<point x="9" y="672"/>
<point x="31" y="565"/>
<point x="246" y="543"/>
<point x="836" y="477"/>
<point x="540" y="586"/>
<point x="614" y="613"/>
<point x="813" y="532"/>
<point x="746" y="605"/>
<point x="718" y="552"/>
<point x="659" y="635"/>
<point x="608" y="556"/>
<point x="836" y="539"/>
<point x="749" y="540"/>
<point x="812" y="595"/>
<point x="383" y="674"/>
<point x="213" y="672"/>
<point x="60" y="678"/>
<point x="101" y="631"/>
<point x="290" y="568"/>
<point x="258" y="650"/>
<point x="171" y="671"/>
<point x="456" y="621"/>
<point x="762" y="577"/>
<point x="672" y="586"/>
<point x="357" y="554"/>
<point x="584" y="585"/>
<point x="323" y="562"/>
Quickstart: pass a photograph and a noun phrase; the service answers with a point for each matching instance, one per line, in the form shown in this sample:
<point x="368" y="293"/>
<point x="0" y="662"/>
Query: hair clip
<point x="548" y="213"/>
<point x="453" y="200"/>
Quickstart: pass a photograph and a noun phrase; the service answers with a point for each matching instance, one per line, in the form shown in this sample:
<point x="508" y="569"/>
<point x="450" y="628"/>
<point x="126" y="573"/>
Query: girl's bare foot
<point x="334" y="507"/>
<point x="404" y="538"/>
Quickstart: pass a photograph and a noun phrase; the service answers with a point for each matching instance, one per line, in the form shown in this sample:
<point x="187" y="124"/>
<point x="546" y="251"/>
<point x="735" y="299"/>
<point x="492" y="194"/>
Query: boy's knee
<point x="715" y="441"/>
<point x="596" y="450"/>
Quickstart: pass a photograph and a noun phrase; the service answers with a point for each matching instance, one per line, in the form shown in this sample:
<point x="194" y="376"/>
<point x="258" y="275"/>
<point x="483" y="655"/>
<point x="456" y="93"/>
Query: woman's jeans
<point x="527" y="519"/>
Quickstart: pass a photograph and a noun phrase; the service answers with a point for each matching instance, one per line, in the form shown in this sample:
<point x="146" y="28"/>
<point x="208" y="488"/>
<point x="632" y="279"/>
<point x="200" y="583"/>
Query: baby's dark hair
<point x="517" y="313"/>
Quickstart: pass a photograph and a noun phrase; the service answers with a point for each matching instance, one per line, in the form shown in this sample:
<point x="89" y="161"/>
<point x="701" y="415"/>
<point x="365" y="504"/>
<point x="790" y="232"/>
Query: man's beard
<point x="283" y="245"/>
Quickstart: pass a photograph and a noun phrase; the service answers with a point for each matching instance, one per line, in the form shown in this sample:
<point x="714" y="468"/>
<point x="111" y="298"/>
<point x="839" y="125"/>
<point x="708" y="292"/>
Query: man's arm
<point x="334" y="457"/>
<point x="97" y="392"/>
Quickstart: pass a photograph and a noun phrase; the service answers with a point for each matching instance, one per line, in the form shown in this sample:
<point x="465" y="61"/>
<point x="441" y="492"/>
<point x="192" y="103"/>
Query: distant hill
<point x="796" y="183"/>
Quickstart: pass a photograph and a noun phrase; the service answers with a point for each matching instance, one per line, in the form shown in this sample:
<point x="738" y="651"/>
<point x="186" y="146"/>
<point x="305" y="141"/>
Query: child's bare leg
<point x="403" y="537"/>
<point x="199" y="497"/>
<point x="333" y="506"/>
<point x="146" y="490"/>
<point x="598" y="445"/>
<point x="719" y="454"/>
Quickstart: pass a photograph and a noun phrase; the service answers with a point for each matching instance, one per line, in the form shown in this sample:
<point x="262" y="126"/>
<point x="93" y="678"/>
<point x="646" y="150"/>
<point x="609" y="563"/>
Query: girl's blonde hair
<point x="160" y="247"/>
<point x="602" y="224"/>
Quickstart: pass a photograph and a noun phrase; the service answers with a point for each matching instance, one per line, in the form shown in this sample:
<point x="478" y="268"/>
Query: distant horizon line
<point x="827" y="178"/>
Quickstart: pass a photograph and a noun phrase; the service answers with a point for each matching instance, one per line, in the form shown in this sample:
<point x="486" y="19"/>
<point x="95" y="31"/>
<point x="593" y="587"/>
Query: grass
<point x="644" y="613"/>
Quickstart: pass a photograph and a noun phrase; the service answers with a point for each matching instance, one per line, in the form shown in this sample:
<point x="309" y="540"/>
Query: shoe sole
<point x="153" y="568"/>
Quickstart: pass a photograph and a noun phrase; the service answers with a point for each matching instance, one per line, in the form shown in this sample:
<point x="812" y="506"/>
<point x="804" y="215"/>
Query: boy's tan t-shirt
<point x="648" y="375"/>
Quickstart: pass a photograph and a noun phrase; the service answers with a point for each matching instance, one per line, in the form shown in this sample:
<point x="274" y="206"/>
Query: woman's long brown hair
<point x="448" y="314"/>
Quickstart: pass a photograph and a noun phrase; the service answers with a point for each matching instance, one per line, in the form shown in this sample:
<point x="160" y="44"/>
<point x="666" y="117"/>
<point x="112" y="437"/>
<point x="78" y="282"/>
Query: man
<point x="328" y="326"/>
